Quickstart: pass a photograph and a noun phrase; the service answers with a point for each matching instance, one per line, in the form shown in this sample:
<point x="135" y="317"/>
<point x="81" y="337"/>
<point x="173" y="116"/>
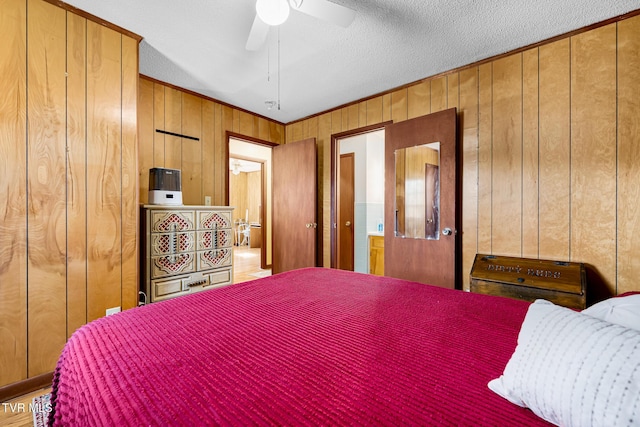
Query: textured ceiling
<point x="200" y="45"/>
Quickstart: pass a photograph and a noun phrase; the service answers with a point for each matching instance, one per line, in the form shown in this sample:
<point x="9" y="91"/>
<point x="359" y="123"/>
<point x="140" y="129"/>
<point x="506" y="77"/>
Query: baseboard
<point x="14" y="390"/>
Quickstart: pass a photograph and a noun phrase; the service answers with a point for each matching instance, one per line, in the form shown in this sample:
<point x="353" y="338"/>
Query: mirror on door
<point x="417" y="201"/>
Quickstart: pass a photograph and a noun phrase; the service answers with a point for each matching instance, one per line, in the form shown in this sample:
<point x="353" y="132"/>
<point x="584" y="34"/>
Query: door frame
<point x="251" y="140"/>
<point x="335" y="153"/>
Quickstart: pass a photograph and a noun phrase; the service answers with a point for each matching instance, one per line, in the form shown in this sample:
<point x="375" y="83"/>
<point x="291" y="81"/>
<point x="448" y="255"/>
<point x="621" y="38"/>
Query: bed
<point x="313" y="346"/>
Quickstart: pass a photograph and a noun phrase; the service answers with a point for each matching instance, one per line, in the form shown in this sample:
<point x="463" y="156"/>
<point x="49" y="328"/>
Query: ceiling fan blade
<point x="257" y="35"/>
<point x="326" y="10"/>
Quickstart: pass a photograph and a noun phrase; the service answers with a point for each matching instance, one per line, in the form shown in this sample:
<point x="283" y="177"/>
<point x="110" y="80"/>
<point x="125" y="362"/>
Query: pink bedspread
<point x="308" y="347"/>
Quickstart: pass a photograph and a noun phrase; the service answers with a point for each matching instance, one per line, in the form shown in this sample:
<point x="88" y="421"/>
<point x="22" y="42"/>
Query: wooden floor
<point x="16" y="412"/>
<point x="246" y="266"/>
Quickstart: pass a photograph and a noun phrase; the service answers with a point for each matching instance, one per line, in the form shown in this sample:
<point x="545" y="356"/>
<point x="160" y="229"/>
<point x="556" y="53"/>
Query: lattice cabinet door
<point x="172" y="221"/>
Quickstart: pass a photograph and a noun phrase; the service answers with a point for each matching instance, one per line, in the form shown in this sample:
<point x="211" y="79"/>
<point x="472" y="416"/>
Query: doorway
<point x="249" y="191"/>
<point x="245" y="193"/>
<point x="366" y="147"/>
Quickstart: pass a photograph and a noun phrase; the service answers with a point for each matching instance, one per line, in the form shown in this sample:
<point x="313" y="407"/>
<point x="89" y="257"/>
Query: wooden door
<point x="346" y="201"/>
<point x="294" y="205"/>
<point x="432" y="261"/>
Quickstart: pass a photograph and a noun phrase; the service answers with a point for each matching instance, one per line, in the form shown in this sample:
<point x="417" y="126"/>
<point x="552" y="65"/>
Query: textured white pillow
<point x="573" y="369"/>
<point x="624" y="311"/>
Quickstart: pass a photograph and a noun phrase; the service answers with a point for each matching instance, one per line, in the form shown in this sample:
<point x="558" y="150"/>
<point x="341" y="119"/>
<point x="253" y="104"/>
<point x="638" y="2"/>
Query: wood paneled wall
<point x="550" y="143"/>
<point x="246" y="190"/>
<point x="203" y="163"/>
<point x="68" y="245"/>
<point x="239" y="195"/>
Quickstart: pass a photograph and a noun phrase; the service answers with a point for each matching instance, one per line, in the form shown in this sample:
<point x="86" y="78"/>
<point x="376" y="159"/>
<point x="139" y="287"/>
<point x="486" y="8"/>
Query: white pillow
<point x="573" y="369"/>
<point x="624" y="311"/>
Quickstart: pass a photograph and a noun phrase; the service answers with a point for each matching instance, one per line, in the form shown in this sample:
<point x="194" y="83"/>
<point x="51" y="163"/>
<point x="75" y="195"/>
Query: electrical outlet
<point x="207" y="200"/>
<point x="113" y="310"/>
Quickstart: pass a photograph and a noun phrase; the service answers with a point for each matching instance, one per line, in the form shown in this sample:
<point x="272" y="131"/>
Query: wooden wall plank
<point x="438" y="94"/>
<point x="593" y="151"/>
<point x="238" y="196"/>
<point x="345" y="118"/>
<point x="13" y="227"/>
<point x="352" y="116"/>
<point x="287" y="136"/>
<point x="507" y="156"/>
<point x="453" y="92"/>
<point x="158" y="123"/>
<point x="362" y="115"/>
<point x="191" y="164"/>
<point x="226" y="125"/>
<point x="276" y="133"/>
<point x="386" y="107"/>
<point x="221" y="167"/>
<point x="263" y="129"/>
<point x="336" y="122"/>
<point x="324" y="175"/>
<point x="399" y="108"/>
<point x="146" y="133"/>
<point x="245" y="123"/>
<point x="235" y="123"/>
<point x="485" y="132"/>
<point x="312" y="127"/>
<point x="419" y="99"/>
<point x="530" y="235"/>
<point x="468" y="116"/>
<point x="130" y="201"/>
<point x="103" y="170"/>
<point x="628" y="261"/>
<point x="555" y="150"/>
<point x="297" y="132"/>
<point x="374" y="111"/>
<point x="46" y="140"/>
<point x="173" y="123"/>
<point x="256" y="125"/>
<point x="76" y="172"/>
<point x="254" y="194"/>
<point x="207" y="141"/>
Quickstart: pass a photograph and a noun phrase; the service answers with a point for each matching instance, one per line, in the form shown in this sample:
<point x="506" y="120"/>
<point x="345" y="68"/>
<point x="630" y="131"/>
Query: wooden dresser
<point x="185" y="249"/>
<point x="563" y="283"/>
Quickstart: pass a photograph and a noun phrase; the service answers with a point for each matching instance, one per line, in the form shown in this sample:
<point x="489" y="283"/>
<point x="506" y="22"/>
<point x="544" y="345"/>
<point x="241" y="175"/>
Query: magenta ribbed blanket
<point x="314" y="347"/>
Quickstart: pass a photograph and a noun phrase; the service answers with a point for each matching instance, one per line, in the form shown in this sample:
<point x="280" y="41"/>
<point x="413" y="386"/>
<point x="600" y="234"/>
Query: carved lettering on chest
<point x="530" y="271"/>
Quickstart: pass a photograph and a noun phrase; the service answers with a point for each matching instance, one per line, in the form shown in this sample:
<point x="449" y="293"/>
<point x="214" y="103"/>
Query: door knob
<point x="446" y="231"/>
<point x="311" y="225"/>
<point x="348" y="223"/>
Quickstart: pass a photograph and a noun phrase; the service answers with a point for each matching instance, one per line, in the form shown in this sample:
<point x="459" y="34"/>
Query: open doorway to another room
<point x="359" y="210"/>
<point x="249" y="182"/>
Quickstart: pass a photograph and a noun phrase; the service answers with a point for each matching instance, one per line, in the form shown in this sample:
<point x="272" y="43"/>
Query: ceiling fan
<point x="275" y="12"/>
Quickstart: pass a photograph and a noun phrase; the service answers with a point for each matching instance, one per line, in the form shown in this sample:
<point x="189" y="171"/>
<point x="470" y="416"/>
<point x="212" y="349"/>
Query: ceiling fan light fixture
<point x="272" y="12"/>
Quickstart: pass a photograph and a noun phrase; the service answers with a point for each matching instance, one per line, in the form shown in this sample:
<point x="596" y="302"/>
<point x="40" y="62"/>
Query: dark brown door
<point x="294" y="205"/>
<point x="425" y="260"/>
<point x="346" y="189"/>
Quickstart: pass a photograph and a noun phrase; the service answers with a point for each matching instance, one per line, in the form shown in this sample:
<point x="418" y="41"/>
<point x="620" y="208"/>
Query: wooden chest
<point x="563" y="283"/>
